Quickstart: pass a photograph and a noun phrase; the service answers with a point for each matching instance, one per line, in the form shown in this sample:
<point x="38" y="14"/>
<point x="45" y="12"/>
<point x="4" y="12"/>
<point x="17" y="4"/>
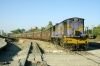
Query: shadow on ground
<point x="41" y="50"/>
<point x="7" y="53"/>
<point x="93" y="46"/>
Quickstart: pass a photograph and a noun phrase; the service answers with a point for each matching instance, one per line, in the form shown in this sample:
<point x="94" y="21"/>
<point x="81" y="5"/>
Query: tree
<point x="17" y="31"/>
<point x="96" y="30"/>
<point x="22" y="30"/>
<point x="30" y="30"/>
<point x="42" y="28"/>
<point x="50" y="23"/>
<point x="33" y="30"/>
<point x="36" y="30"/>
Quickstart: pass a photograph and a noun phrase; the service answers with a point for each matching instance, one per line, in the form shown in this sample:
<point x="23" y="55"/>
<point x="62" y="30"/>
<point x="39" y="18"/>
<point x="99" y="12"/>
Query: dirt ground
<point x="56" y="56"/>
<point x="48" y="47"/>
<point x="11" y="50"/>
<point x="53" y="55"/>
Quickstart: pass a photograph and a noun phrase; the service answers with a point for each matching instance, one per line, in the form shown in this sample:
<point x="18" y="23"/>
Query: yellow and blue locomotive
<point x="70" y="34"/>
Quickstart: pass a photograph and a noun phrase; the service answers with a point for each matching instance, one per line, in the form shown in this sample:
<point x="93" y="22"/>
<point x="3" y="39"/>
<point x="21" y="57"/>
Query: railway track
<point x="61" y="58"/>
<point x="93" y="55"/>
<point x="30" y="55"/>
<point x="90" y="57"/>
<point x="35" y="57"/>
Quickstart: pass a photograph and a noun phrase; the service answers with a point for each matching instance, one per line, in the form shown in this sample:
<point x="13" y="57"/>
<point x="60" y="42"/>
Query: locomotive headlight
<point x="76" y="20"/>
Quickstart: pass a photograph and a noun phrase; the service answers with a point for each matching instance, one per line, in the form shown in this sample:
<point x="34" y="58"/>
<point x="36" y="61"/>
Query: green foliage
<point x="49" y="25"/>
<point x="42" y="28"/>
<point x="36" y="30"/>
<point x="23" y="30"/>
<point x="17" y="31"/>
<point x="33" y="30"/>
<point x="96" y="30"/>
<point x="30" y="30"/>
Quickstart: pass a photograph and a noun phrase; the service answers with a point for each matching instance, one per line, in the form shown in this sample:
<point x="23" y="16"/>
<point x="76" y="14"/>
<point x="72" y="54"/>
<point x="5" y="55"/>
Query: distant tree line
<point x="17" y="31"/>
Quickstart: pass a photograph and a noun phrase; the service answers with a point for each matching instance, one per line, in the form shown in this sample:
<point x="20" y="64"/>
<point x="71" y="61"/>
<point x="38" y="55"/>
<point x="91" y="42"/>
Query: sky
<point x="25" y="14"/>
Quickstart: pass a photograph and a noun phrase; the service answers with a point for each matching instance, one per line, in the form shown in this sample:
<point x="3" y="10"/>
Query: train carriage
<point x="29" y="35"/>
<point x="18" y="36"/>
<point x="46" y="34"/>
<point x="24" y="35"/>
<point x="38" y="35"/>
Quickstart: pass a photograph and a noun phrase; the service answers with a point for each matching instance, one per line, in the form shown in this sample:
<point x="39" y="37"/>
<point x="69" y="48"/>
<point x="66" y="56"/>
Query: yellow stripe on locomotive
<point x="76" y="40"/>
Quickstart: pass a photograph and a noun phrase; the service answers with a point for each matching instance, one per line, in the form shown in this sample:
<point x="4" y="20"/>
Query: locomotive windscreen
<point x="75" y="27"/>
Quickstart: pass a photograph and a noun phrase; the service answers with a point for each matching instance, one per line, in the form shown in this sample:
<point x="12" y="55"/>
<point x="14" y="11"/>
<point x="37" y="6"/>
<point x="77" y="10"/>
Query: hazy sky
<point x="27" y="13"/>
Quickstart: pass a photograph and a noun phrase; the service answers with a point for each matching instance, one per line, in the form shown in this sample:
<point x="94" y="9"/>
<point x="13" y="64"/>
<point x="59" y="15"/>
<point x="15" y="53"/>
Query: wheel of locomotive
<point x="51" y="40"/>
<point x="61" y="41"/>
<point x="85" y="47"/>
<point x="71" y="47"/>
<point x="76" y="47"/>
<point x="56" y="41"/>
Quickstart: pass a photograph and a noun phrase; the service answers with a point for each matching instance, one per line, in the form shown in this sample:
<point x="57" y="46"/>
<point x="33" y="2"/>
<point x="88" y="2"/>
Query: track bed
<point x="55" y="55"/>
<point x="28" y="52"/>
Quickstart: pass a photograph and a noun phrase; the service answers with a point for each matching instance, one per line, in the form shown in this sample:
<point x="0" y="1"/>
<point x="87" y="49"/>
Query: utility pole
<point x="84" y="30"/>
<point x="87" y="30"/>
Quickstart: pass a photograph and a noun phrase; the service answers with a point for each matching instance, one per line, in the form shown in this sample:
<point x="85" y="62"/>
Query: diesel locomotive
<point x="69" y="34"/>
